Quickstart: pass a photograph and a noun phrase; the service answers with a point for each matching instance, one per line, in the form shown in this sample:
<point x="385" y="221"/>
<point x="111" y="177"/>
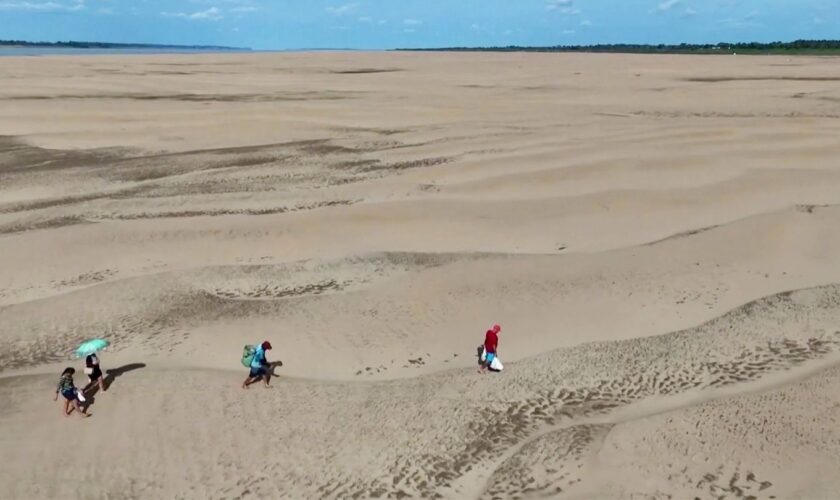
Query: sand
<point x="657" y="236"/>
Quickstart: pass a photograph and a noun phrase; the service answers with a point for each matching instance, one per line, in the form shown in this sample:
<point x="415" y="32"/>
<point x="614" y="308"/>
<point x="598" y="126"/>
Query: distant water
<point x="68" y="51"/>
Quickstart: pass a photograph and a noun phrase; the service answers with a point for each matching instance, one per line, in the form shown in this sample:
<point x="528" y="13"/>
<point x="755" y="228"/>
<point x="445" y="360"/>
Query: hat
<point x="266" y="345"/>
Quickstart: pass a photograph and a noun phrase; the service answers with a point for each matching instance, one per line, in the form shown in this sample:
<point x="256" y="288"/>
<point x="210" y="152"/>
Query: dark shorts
<point x="69" y="395"/>
<point x="258" y="372"/>
<point x="96" y="375"/>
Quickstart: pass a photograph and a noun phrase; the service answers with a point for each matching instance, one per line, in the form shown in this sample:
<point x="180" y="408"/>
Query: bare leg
<point x="82" y="413"/>
<point x="67" y="408"/>
<point x="267" y="378"/>
<point x="249" y="381"/>
<point x="102" y="383"/>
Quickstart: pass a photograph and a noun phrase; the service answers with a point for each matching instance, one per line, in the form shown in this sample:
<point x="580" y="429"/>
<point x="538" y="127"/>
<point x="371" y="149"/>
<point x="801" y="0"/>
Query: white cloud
<point x="43" y="6"/>
<point x="372" y="21"/>
<point x="237" y="4"/>
<point x="343" y="10"/>
<point x="748" y="21"/>
<point x="665" y="6"/>
<point x="569" y="32"/>
<point x="562" y="6"/>
<point x="244" y="8"/>
<point x="211" y="14"/>
<point x="671" y="6"/>
<point x="586" y="22"/>
<point x="558" y="4"/>
<point x="412" y="22"/>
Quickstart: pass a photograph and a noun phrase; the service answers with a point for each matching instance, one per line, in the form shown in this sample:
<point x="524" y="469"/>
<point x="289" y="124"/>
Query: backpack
<point x="248" y="353"/>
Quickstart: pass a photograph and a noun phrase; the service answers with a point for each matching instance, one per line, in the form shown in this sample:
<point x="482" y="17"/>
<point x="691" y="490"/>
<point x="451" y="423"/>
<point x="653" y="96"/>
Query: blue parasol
<point x="91" y="346"/>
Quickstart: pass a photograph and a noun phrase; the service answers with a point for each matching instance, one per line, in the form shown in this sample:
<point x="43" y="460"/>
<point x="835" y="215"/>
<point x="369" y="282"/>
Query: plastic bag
<point x="496" y="365"/>
<point x="248" y="353"/>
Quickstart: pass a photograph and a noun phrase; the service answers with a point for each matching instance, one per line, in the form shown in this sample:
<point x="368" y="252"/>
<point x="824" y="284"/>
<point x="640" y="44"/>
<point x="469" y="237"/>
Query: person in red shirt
<point x="491" y="344"/>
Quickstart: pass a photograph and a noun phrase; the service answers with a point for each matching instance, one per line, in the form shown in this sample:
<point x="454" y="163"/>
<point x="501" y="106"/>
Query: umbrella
<point x="91" y="346"/>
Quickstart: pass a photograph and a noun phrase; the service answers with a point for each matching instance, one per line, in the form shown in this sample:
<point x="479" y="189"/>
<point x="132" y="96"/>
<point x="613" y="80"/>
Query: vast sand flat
<point x="657" y="236"/>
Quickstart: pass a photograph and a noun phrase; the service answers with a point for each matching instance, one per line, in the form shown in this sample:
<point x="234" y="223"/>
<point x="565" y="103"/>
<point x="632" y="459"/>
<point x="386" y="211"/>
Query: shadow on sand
<point x="110" y="376"/>
<point x="273" y="366"/>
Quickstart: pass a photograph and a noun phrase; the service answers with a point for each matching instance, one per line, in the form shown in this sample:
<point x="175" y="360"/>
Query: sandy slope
<point x="554" y="423"/>
<point x="635" y="223"/>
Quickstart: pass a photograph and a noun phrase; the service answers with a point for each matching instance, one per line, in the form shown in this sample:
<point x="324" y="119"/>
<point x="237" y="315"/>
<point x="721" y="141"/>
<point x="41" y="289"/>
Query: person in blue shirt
<point x="260" y="367"/>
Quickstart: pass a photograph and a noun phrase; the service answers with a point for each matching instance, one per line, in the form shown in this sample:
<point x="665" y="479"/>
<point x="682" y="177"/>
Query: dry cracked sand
<point x="657" y="236"/>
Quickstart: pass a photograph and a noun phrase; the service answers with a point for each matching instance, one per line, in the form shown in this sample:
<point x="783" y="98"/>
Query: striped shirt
<point x="65" y="384"/>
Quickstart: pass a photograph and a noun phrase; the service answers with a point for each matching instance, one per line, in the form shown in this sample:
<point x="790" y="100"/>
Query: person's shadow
<point x="273" y="366"/>
<point x="110" y="376"/>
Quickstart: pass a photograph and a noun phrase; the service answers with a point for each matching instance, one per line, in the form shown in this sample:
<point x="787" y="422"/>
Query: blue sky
<point x="371" y="24"/>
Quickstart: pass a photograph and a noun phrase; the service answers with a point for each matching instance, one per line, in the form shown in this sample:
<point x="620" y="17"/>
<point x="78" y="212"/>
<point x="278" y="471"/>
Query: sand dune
<point x="424" y="435"/>
<point x="657" y="236"/>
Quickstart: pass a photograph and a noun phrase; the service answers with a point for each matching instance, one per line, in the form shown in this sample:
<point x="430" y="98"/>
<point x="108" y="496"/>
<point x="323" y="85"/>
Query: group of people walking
<point x="259" y="370"/>
<point x="75" y="398"/>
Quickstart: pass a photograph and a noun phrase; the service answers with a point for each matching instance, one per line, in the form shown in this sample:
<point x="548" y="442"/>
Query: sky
<point x="384" y="24"/>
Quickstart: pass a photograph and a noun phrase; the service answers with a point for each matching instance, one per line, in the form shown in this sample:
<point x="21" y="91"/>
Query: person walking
<point x="491" y="345"/>
<point x="68" y="390"/>
<point x="260" y="367"/>
<point x="94" y="373"/>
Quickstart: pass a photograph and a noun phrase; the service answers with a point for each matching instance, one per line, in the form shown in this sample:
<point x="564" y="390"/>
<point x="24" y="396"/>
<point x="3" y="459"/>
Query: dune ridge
<point x="547" y="403"/>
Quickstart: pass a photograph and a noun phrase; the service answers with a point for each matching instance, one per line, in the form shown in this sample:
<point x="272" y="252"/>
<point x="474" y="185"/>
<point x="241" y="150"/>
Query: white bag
<point x="483" y="356"/>
<point x="80" y="395"/>
<point x="89" y="370"/>
<point x="496" y="364"/>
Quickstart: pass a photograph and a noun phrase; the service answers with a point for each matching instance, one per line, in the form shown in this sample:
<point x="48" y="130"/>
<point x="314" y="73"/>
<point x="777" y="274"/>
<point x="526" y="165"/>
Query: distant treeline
<point x="795" y="47"/>
<point x="106" y="45"/>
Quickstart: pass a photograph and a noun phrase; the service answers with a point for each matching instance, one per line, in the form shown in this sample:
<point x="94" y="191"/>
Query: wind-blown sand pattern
<point x="657" y="236"/>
